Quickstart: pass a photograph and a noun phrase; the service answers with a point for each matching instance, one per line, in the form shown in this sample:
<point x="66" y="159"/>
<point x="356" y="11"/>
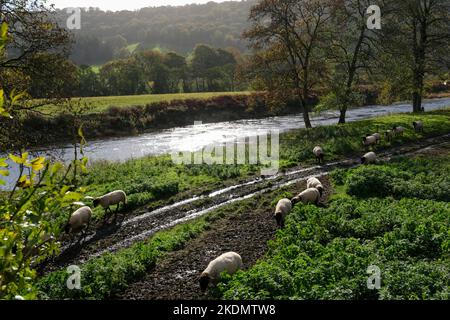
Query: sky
<point x="115" y="5"/>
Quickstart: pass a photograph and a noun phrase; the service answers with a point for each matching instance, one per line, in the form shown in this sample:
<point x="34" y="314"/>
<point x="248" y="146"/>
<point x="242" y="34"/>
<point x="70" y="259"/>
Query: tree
<point x="33" y="30"/>
<point x="418" y="31"/>
<point x="352" y="47"/>
<point x="291" y="32"/>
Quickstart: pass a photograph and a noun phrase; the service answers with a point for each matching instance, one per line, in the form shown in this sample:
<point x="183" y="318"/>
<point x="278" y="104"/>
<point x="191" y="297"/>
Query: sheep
<point x="315" y="183"/>
<point x="284" y="206"/>
<point x="377" y="136"/>
<point x="318" y="152"/>
<point x="311" y="195"/>
<point x="398" y="131"/>
<point x="369" y="140"/>
<point x="79" y="221"/>
<point x="230" y="262"/>
<point x="113" y="198"/>
<point x="418" y="126"/>
<point x="368" y="158"/>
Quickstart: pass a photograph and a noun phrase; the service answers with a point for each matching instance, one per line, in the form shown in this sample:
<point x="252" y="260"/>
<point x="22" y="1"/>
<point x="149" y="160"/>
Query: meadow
<point x="102" y="104"/>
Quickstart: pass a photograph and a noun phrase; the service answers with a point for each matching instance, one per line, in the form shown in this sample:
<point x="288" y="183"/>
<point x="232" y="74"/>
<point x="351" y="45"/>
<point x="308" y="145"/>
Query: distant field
<point x="99" y="104"/>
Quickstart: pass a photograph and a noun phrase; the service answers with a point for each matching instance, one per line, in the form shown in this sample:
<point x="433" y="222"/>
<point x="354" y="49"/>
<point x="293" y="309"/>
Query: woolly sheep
<point x="230" y="262"/>
<point x="377" y="136"/>
<point x="418" y="126"/>
<point x="315" y="183"/>
<point x="113" y="198"/>
<point x="398" y="130"/>
<point x="368" y="158"/>
<point x="284" y="206"/>
<point x="318" y="152"/>
<point x="369" y="140"/>
<point x="311" y="195"/>
<point x="79" y="220"/>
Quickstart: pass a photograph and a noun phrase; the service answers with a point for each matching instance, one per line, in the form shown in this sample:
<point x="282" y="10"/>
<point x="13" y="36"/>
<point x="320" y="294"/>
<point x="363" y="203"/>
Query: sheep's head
<point x="279" y="218"/>
<point x="204" y="281"/>
<point x="96" y="202"/>
<point x="363" y="160"/>
<point x="320" y="190"/>
<point x="67" y="228"/>
<point x="296" y="200"/>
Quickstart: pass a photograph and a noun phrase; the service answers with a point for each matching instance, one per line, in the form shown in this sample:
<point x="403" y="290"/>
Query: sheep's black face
<point x="67" y="228"/>
<point x="320" y="191"/>
<point x="279" y="219"/>
<point x="96" y="202"/>
<point x="204" y="282"/>
<point x="363" y="160"/>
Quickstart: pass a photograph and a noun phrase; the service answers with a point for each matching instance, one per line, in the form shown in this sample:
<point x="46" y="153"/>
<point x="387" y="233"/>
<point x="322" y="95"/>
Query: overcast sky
<point x="115" y="5"/>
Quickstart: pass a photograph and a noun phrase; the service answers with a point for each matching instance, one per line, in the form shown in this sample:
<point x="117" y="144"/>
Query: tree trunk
<point x="306" y="118"/>
<point x="417" y="94"/>
<point x="342" y="117"/>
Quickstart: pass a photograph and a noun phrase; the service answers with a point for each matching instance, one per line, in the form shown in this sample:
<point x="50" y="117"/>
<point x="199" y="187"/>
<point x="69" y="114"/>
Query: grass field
<point x="100" y="104"/>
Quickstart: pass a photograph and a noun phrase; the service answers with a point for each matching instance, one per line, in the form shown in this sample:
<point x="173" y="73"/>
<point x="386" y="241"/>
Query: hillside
<point x="110" y="35"/>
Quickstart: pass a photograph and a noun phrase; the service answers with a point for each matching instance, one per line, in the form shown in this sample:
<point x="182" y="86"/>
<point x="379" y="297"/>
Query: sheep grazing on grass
<point x="368" y="158"/>
<point x="111" y="199"/>
<point x="230" y="262"/>
<point x="284" y="206"/>
<point x="377" y="137"/>
<point x="315" y="183"/>
<point x="369" y="140"/>
<point x="418" y="126"/>
<point x="398" y="131"/>
<point x="318" y="152"/>
<point x="311" y="195"/>
<point x="79" y="221"/>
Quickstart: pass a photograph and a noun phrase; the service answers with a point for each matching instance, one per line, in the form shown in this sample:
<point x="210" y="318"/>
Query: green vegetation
<point x="324" y="253"/>
<point x="111" y="273"/>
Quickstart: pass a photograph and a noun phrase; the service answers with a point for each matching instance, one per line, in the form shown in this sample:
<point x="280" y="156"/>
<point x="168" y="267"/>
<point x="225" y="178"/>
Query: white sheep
<point x="79" y="221"/>
<point x="418" y="126"/>
<point x="369" y="140"/>
<point x="318" y="152"/>
<point x="113" y="198"/>
<point x="230" y="262"/>
<point x="315" y="183"/>
<point x="311" y="195"/>
<point x="398" y="131"/>
<point x="369" y="158"/>
<point x="284" y="206"/>
<point x="377" y="136"/>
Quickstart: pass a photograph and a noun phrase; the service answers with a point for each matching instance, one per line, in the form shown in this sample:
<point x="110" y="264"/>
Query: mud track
<point x="140" y="227"/>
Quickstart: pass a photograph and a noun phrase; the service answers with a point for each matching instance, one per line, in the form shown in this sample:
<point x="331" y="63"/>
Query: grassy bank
<point x="102" y="104"/>
<point x="155" y="181"/>
<point x="394" y="216"/>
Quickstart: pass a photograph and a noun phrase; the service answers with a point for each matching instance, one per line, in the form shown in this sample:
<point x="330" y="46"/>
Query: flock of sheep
<point x="231" y="262"/>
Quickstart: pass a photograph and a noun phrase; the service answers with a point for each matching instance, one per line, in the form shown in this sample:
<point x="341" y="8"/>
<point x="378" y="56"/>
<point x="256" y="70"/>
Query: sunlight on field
<point x="99" y="104"/>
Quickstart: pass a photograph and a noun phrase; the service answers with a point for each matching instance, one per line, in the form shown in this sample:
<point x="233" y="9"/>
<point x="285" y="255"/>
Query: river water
<point x="195" y="137"/>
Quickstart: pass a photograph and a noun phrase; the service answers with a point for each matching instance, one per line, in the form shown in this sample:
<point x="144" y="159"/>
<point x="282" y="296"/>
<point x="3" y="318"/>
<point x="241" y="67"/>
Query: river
<point x="195" y="137"/>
